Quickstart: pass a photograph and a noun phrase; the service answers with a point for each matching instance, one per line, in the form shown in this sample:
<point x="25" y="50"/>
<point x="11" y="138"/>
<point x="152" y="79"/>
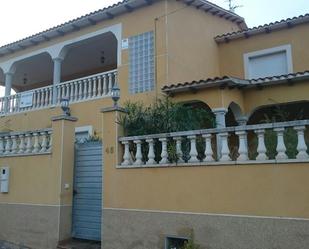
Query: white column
<point x="8" y="83"/>
<point x="220" y="123"/>
<point x="14" y="144"/>
<point x="242" y="120"/>
<point x="301" y="144"/>
<point x="8" y="87"/>
<point x="56" y="77"/>
<point x="281" y="149"/>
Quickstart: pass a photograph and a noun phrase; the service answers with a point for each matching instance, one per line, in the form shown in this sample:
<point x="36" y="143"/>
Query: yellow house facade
<point x="78" y="176"/>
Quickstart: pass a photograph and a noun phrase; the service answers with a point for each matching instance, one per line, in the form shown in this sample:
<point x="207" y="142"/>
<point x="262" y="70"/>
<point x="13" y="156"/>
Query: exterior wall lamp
<point x="64" y="102"/>
<point x="115" y="94"/>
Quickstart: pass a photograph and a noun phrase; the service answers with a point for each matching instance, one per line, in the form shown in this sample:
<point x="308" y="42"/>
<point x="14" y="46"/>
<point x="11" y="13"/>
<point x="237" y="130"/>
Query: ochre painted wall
<point x="265" y="190"/>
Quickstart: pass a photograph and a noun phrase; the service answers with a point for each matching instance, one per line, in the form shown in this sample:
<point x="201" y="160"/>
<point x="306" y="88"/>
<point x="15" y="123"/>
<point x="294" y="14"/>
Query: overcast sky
<point x="20" y="18"/>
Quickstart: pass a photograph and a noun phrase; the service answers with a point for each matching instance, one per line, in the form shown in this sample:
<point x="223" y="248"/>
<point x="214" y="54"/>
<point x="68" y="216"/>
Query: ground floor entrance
<point x="87" y="193"/>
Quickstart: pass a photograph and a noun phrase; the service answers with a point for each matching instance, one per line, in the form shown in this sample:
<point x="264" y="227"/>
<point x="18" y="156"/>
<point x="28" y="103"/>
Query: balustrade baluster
<point x="105" y="86"/>
<point x="110" y="83"/>
<point x="138" y="156"/>
<point x="34" y="105"/>
<point x="225" y="151"/>
<point x="21" y="146"/>
<point x="151" y="154"/>
<point x="80" y="90"/>
<point x="36" y="145"/>
<point x="261" y="149"/>
<point x="67" y="90"/>
<point x="28" y="143"/>
<point x="99" y="79"/>
<point x="281" y="149"/>
<point x="179" y="150"/>
<point x="14" y="144"/>
<point x="85" y="89"/>
<point x="89" y="88"/>
<point x="243" y="146"/>
<point x="1" y="145"/>
<point x="38" y="102"/>
<point x="72" y="84"/>
<point x="115" y="77"/>
<point x="164" y="153"/>
<point x="7" y="144"/>
<point x="75" y="97"/>
<point x="46" y="96"/>
<point x="63" y="91"/>
<point x="193" y="152"/>
<point x="50" y="89"/>
<point x="208" y="148"/>
<point x="44" y="141"/>
<point x="301" y="144"/>
<point x="126" y="155"/>
<point x="42" y="97"/>
<point x="94" y="91"/>
<point x="58" y="93"/>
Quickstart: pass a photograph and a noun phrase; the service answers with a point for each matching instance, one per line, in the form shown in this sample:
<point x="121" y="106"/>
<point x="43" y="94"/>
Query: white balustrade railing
<point x="268" y="144"/>
<point x="25" y="143"/>
<point x="90" y="87"/>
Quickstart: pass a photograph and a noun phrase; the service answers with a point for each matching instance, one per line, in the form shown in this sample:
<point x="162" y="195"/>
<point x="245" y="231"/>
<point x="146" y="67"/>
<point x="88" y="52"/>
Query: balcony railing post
<point x="164" y="153"/>
<point x="126" y="155"/>
<point x="208" y="149"/>
<point x="243" y="146"/>
<point x="193" y="152"/>
<point x="225" y="151"/>
<point x="151" y="154"/>
<point x="281" y="149"/>
<point x="301" y="144"/>
<point x="261" y="149"/>
<point x="179" y="150"/>
<point x="138" y="156"/>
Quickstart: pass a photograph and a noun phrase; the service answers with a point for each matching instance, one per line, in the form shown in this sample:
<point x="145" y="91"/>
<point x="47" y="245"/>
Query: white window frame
<point x="284" y="48"/>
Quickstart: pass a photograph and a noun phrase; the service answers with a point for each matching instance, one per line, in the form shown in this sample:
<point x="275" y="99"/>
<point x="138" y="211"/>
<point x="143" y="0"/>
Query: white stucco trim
<point x="209" y="214"/>
<point x="58" y="50"/>
<point x="284" y="48"/>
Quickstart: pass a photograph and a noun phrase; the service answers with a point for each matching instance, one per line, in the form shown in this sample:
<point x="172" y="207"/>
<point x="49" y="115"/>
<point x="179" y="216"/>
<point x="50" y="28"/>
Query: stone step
<point x="79" y="244"/>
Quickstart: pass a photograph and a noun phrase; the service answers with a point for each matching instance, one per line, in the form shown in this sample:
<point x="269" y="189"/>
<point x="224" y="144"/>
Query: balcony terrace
<point x="79" y="69"/>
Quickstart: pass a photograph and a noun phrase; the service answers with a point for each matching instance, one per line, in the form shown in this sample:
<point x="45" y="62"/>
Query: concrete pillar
<point x="220" y="123"/>
<point x="8" y="83"/>
<point x="56" y="76"/>
<point x="63" y="137"/>
<point x="112" y="154"/>
<point x="8" y="88"/>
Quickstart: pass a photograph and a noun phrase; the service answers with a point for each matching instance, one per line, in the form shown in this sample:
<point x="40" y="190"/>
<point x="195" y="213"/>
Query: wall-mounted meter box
<point x="4" y="179"/>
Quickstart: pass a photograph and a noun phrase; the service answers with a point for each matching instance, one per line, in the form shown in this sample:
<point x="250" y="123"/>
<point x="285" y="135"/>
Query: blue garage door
<point x="87" y="196"/>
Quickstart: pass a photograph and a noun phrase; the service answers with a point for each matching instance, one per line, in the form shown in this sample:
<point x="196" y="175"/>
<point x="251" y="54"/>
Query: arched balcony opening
<point x="280" y="112"/>
<point x="32" y="73"/>
<point x="88" y="57"/>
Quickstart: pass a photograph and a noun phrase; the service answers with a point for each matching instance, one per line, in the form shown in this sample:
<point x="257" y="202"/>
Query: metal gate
<point x="87" y="193"/>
